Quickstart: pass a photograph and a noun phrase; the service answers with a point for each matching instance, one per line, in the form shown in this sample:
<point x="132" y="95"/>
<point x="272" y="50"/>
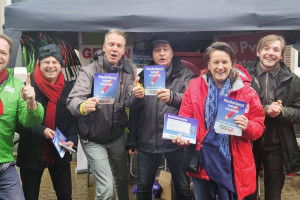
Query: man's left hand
<point x="275" y="109"/>
<point x="164" y="95"/>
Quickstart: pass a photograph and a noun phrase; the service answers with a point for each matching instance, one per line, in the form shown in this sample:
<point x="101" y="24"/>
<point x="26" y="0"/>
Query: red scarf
<point x="3" y="76"/>
<point x="52" y="92"/>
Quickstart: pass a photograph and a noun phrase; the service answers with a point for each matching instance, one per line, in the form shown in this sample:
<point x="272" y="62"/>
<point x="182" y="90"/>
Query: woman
<point x="226" y="164"/>
<point x="36" y="151"/>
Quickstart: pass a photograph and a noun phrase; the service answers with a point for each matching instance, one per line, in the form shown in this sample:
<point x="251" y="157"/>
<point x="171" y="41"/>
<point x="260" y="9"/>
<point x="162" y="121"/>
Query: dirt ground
<point x="291" y="189"/>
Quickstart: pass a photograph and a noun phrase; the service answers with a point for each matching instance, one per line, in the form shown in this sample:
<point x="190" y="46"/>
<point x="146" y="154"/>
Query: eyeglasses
<point x="47" y="63"/>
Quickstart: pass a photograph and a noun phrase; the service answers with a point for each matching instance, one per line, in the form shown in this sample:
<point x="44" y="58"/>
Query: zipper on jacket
<point x="266" y="88"/>
<point x="121" y="77"/>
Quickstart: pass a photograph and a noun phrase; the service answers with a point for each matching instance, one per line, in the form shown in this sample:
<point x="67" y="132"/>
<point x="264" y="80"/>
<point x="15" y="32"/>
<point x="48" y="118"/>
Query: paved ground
<point x="82" y="192"/>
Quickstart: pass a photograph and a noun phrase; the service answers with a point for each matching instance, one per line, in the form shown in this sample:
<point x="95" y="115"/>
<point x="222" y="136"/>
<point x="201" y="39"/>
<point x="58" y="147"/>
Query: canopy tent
<point x="191" y="20"/>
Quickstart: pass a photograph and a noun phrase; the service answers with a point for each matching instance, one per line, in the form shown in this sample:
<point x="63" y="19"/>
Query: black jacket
<point x="147" y="118"/>
<point x="31" y="145"/>
<point x="108" y="122"/>
<point x="288" y="91"/>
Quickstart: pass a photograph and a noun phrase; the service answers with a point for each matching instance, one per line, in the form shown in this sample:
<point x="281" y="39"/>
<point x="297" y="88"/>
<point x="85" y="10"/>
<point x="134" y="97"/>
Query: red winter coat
<point x="240" y="147"/>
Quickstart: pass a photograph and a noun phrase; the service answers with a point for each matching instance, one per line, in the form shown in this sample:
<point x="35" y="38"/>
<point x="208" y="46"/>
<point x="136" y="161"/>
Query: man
<point x="101" y="126"/>
<point x="17" y="103"/>
<point x="36" y="150"/>
<point x="279" y="91"/>
<point x="147" y="121"/>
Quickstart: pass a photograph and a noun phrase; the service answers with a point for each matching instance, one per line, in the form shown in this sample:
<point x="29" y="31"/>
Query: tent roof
<point x="153" y="16"/>
<point x="187" y="21"/>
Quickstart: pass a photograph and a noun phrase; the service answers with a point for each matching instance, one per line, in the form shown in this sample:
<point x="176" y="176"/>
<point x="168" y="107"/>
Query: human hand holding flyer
<point x="154" y="79"/>
<point x="58" y="143"/>
<point x="105" y="87"/>
<point x="177" y="125"/>
<point x="227" y="109"/>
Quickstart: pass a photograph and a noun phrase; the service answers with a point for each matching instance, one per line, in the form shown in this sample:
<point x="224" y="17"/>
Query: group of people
<point x="228" y="165"/>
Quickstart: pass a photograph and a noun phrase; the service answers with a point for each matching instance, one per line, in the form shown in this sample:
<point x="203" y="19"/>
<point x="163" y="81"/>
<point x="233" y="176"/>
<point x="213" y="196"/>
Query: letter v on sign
<point x="252" y="47"/>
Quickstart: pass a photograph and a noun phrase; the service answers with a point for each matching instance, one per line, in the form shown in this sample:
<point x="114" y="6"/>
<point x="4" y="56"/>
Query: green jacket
<point x="288" y="91"/>
<point x="15" y="108"/>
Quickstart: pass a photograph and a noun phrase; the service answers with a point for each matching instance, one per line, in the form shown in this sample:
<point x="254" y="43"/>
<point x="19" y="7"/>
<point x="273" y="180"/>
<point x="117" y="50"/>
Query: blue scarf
<point x="215" y="155"/>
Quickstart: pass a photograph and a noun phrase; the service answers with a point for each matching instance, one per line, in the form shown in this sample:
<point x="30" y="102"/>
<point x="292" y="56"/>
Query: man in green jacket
<point x="17" y="103"/>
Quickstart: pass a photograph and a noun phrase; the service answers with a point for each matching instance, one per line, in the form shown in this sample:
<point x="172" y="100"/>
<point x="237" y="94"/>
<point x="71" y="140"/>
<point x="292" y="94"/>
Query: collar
<point x="261" y="71"/>
<point x="100" y="59"/>
<point x="3" y="75"/>
<point x="109" y="66"/>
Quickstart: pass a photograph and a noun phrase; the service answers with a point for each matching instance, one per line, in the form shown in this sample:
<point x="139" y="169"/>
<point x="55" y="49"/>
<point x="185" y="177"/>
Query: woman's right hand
<point x="180" y="142"/>
<point x="49" y="133"/>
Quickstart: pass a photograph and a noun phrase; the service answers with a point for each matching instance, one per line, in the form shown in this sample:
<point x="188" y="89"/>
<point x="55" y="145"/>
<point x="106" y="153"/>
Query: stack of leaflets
<point x="227" y="109"/>
<point x="154" y="79"/>
<point x="58" y="143"/>
<point x="105" y="87"/>
<point x="176" y="125"/>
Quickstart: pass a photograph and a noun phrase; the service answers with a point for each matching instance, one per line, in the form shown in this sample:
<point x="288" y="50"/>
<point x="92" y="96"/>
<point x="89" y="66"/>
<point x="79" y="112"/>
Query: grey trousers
<point x="109" y="166"/>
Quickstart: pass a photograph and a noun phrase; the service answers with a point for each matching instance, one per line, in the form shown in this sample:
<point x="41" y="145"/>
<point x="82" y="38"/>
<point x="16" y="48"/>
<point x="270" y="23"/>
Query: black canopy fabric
<point x="141" y="16"/>
<point x="153" y="15"/>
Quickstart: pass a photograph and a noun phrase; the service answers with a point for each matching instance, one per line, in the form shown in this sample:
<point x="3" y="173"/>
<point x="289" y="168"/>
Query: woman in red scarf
<point x="36" y="150"/>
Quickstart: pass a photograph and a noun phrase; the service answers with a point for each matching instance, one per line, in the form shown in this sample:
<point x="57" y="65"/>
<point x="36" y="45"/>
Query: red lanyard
<point x="1" y="108"/>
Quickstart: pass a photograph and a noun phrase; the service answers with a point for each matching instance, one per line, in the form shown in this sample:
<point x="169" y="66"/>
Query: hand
<point x="163" y="95"/>
<point x="241" y="121"/>
<point x="275" y="109"/>
<point x="132" y="151"/>
<point x="49" y="133"/>
<point x="138" y="90"/>
<point x="28" y="94"/>
<point x="90" y="105"/>
<point x="69" y="144"/>
<point x="179" y="141"/>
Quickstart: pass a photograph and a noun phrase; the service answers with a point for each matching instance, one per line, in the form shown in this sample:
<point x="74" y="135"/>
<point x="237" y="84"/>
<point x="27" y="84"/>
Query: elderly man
<point x="36" y="151"/>
<point x="101" y="126"/>
<point x="17" y="103"/>
<point x="147" y="121"/>
<point x="279" y="92"/>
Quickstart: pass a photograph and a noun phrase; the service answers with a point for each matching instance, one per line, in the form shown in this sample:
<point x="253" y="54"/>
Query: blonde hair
<point x="269" y="39"/>
<point x="115" y="31"/>
<point x="8" y="40"/>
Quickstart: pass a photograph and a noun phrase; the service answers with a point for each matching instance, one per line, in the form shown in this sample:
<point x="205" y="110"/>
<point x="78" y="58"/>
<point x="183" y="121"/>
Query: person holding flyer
<point x="102" y="126"/>
<point x="147" y="122"/>
<point x="226" y="163"/>
<point x="17" y="103"/>
<point x="36" y="150"/>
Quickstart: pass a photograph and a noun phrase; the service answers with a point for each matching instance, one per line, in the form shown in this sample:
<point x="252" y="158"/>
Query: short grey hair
<point x="115" y="31"/>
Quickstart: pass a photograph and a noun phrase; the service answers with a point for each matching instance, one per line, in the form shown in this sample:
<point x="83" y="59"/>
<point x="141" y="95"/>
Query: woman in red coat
<point x="226" y="164"/>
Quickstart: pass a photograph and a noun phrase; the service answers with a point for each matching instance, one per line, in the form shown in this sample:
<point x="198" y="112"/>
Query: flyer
<point x="175" y="125"/>
<point x="105" y="87"/>
<point x="154" y="78"/>
<point x="227" y="109"/>
<point x="60" y="138"/>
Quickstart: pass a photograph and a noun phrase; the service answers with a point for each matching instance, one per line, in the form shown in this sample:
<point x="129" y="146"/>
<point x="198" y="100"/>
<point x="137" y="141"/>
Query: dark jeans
<point x="147" y="165"/>
<point x="60" y="176"/>
<point x="10" y="187"/>
<point x="273" y="174"/>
